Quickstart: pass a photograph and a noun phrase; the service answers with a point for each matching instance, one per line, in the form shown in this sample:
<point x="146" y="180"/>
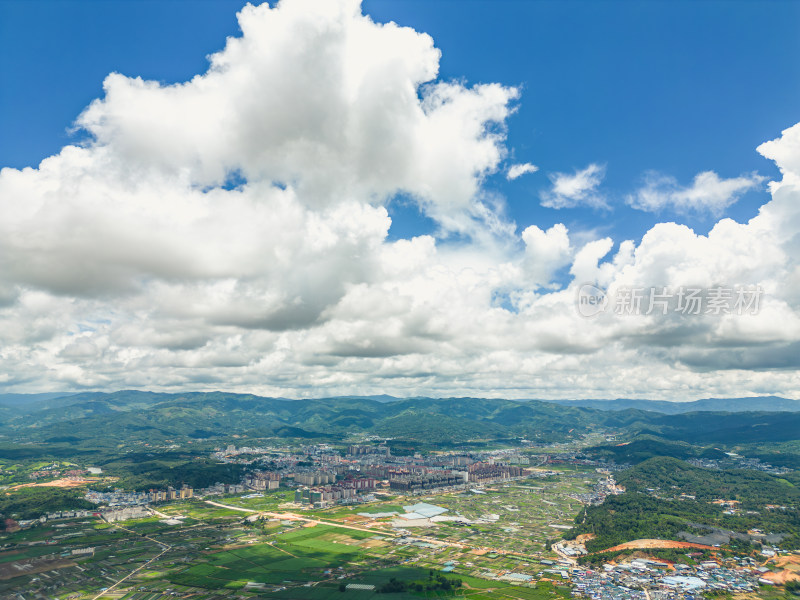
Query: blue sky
<point x="319" y="214"/>
<point x="677" y="87"/>
<point x="672" y="86"/>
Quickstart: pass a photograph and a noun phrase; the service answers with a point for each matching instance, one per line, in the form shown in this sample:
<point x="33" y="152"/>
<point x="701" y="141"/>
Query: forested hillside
<point x="666" y="496"/>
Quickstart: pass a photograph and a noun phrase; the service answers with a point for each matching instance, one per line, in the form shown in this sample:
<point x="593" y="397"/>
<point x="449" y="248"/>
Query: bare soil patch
<point x="59" y="483"/>
<point x="636" y="544"/>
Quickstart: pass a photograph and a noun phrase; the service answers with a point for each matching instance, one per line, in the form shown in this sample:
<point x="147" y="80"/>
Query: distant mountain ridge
<point x="729" y="405"/>
<point x="132" y="414"/>
<point x="667" y="407"/>
<point x="91" y="418"/>
<point x="213" y="414"/>
<point x="21" y="399"/>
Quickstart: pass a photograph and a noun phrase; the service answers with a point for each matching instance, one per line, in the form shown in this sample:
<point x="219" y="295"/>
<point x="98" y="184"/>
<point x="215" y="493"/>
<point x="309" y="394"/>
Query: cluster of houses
<point x="644" y="578"/>
<point x="424" y="479"/>
<point x="54" y="470"/>
<point x="123" y="498"/>
<point x="125" y="514"/>
<point x="11" y="525"/>
<point x="739" y="462"/>
<point x="321" y="465"/>
<point x="431" y="480"/>
<point x="601" y="490"/>
<point x="348" y="491"/>
<point x="263" y="480"/>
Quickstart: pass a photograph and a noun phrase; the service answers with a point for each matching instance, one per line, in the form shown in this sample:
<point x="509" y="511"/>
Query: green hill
<point x="123" y="415"/>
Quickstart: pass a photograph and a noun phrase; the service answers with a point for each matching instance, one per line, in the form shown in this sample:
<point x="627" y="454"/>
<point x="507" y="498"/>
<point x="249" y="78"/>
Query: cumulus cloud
<point x="785" y="151"/>
<point x="576" y="189"/>
<point x="315" y="96"/>
<point x="708" y="192"/>
<point x="545" y="251"/>
<point x="520" y="169"/>
<point x="231" y="232"/>
<point x="322" y="113"/>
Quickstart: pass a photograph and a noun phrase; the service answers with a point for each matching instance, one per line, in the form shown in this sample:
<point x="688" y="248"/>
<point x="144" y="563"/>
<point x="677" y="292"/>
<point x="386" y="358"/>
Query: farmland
<point x="299" y="555"/>
<point x="283" y="551"/>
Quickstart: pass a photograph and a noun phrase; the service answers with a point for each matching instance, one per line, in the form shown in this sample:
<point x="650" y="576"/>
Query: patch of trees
<point x="33" y="502"/>
<point x="641" y="450"/>
<point x="753" y="489"/>
<point x="158" y="474"/>
<point x="729" y="428"/>
<point x="674" y="555"/>
<point x="634" y="515"/>
<point x="435" y="582"/>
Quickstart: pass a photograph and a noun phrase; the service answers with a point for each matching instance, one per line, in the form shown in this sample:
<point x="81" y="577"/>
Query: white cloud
<point x="520" y="169"/>
<point x="545" y="252"/>
<point x="125" y="263"/>
<point x="706" y="193"/>
<point x="577" y="189"/>
<point x="316" y="96"/>
<point x="785" y="151"/>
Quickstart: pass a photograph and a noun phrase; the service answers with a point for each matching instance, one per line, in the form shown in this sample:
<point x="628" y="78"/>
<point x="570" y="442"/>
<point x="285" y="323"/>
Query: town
<point x="492" y="515"/>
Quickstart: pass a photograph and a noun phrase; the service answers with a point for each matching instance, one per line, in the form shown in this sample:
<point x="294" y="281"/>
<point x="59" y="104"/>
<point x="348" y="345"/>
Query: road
<point x="296" y="517"/>
<point x="287" y="517"/>
<point x="558" y="549"/>
<point x="166" y="548"/>
<point x="384" y="532"/>
<point x="239" y="508"/>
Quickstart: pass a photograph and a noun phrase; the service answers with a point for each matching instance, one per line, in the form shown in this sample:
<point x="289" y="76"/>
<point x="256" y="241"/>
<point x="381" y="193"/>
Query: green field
<point x="300" y="555"/>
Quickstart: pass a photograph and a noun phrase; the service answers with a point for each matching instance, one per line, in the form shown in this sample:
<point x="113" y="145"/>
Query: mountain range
<point x="751" y="404"/>
<point x="96" y="417"/>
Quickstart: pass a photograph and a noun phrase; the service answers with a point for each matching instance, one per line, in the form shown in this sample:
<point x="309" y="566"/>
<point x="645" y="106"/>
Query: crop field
<point x="44" y="558"/>
<point x="474" y="589"/>
<point x="266" y="500"/>
<point x="200" y="511"/>
<point x="215" y="552"/>
<point x="300" y="555"/>
<point x="515" y="517"/>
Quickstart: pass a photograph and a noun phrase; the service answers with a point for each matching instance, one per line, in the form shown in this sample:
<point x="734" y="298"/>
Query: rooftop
<point x="425" y="509"/>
